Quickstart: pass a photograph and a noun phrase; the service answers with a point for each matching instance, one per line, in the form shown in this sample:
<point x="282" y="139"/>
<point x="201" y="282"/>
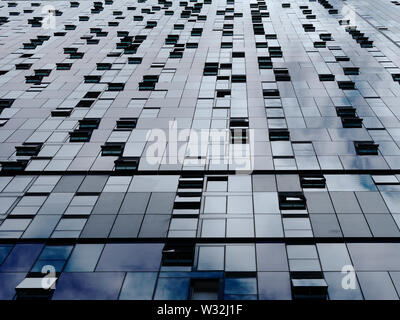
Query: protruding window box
<point x="366" y="44"/>
<point x="135" y="60"/>
<point x="92" y="41"/>
<point x="319" y="44"/>
<point x="210" y="69"/>
<point x="119" y="86"/>
<point x="176" y="54"/>
<point x="6" y="103"/>
<point x="61" y="112"/>
<point x="258" y="30"/>
<point x="122" y="33"/>
<point x="102" y="34"/>
<point x="191" y="183"/>
<point x="178" y="254"/>
<point x="76" y="55"/>
<point x="325" y="37"/>
<point x="239" y="135"/>
<point x="366" y="148"/>
<point x="264" y="63"/>
<point x="70" y="27"/>
<point x="125" y="42"/>
<point x="42" y="72"/>
<point x="126" y="123"/>
<point x="151" y="24"/>
<point x="89" y="123"/>
<point x="114" y="54"/>
<point x="149" y="82"/>
<point x="104" y="66"/>
<point x="80" y="135"/>
<point x="351" y="71"/>
<point x="140" y="38"/>
<point x="84" y="104"/>
<point x="131" y="49"/>
<point x="239" y="123"/>
<point x="315" y="289"/>
<point x="281" y="74"/>
<point x="187" y="202"/>
<point x="92" y="79"/>
<point x="146" y="85"/>
<point x="352" y="122"/>
<point x="29" y="46"/>
<point x="37" y="42"/>
<point x="172" y="39"/>
<point x="197" y="32"/>
<point x="241" y="78"/>
<point x="270" y="93"/>
<point x="64" y="66"/>
<point x="312" y="181"/>
<point x="192" y="45"/>
<point x="292" y="201"/>
<point x="112" y="149"/>
<point x="179" y="26"/>
<point x="126" y="164"/>
<point x="70" y="50"/>
<point x="36" y="288"/>
<point x="342" y="58"/>
<point x="28" y="149"/>
<point x="346" y="85"/>
<point x="308" y="27"/>
<point x="275" y="52"/>
<point x="41" y="39"/>
<point x="95" y="30"/>
<point x="23" y="66"/>
<point x="346" y="111"/>
<point x="326" y="77"/>
<point x="279" y="135"/>
<point x="12" y="166"/>
<point x="355" y="34"/>
<point x="33" y="79"/>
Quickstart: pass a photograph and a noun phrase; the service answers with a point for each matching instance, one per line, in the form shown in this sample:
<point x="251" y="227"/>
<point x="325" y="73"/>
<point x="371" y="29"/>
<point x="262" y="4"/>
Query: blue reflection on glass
<point x="138" y="286"/>
<point x="172" y="289"/>
<point x="89" y="286"/>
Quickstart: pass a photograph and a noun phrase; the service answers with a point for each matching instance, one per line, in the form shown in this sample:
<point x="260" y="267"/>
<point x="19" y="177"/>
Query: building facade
<point x="200" y="149"/>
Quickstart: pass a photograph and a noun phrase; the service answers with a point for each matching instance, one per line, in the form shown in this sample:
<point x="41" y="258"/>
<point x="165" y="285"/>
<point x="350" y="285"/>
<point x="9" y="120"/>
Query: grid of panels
<point x="309" y="90"/>
<point x="117" y="271"/>
<point x="230" y="206"/>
